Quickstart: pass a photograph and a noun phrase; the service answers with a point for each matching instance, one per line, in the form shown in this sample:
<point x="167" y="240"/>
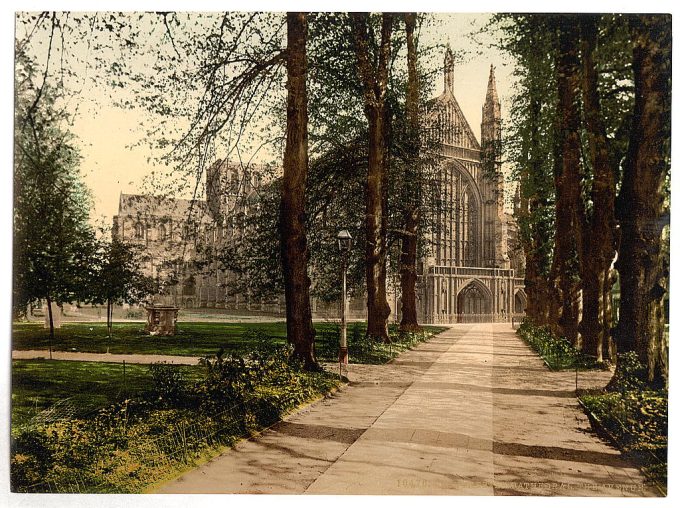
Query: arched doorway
<point x="520" y="301"/>
<point x="474" y="303"/>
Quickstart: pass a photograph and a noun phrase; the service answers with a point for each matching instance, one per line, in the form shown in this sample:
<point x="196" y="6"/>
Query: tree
<point x="597" y="248"/>
<point x="52" y="237"/>
<point x="411" y="214"/>
<point x="604" y="134"/>
<point x="294" y="251"/>
<point x="117" y="277"/>
<point x="528" y="147"/>
<point x="642" y="205"/>
<point x="375" y="80"/>
<point x="567" y="173"/>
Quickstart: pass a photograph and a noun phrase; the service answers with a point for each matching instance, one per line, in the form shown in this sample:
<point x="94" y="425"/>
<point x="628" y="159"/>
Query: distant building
<point x="178" y="234"/>
<point x="474" y="271"/>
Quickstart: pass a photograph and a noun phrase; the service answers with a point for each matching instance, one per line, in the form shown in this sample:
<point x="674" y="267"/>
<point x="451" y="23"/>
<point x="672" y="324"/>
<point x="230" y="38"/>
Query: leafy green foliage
<point x="557" y="352"/>
<point x="634" y="419"/>
<point x="117" y="276"/>
<point x="169" y="385"/>
<point x="127" y="446"/>
<point x="52" y="236"/>
<point x="629" y="375"/>
<point x="365" y="349"/>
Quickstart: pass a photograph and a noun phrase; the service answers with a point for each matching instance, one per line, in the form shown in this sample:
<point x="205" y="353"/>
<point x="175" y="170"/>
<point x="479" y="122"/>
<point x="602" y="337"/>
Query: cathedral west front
<point x="471" y="272"/>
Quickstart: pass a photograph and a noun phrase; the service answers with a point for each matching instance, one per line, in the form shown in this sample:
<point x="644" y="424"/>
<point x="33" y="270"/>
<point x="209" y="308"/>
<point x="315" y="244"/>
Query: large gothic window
<point x="456" y="239"/>
<point x="468" y="226"/>
<point x="139" y="230"/>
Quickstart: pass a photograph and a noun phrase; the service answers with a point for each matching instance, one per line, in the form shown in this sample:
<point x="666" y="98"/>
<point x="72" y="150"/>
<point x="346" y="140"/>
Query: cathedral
<point x="473" y="271"/>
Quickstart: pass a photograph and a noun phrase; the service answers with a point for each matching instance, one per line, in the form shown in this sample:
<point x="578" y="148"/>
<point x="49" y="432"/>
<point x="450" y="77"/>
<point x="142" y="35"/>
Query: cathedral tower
<point x="491" y="168"/>
<point x="491" y="117"/>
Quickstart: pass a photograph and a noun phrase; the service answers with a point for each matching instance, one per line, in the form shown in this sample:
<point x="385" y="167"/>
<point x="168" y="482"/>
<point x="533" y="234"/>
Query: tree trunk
<point x="592" y="322"/>
<point x="534" y="234"/>
<point x="294" y="251"/>
<point x="597" y="252"/>
<point x="376" y="238"/>
<point x="568" y="202"/>
<point x="109" y="316"/>
<point x="49" y="314"/>
<point x="608" y="314"/>
<point x="643" y="274"/>
<point x="374" y="83"/>
<point x="409" y="240"/>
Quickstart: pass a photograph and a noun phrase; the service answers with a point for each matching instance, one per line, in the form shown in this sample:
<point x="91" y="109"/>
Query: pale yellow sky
<point x="107" y="133"/>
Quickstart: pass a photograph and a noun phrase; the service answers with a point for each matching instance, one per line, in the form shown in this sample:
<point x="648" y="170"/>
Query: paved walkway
<point x="471" y="412"/>
<point x="34" y="354"/>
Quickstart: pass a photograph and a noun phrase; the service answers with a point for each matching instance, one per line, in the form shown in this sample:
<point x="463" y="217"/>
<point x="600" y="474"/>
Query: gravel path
<point x="32" y="354"/>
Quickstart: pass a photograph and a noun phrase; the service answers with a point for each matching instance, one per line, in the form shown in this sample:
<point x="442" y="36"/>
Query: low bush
<point x="127" y="446"/>
<point x="634" y="418"/>
<point x="365" y="349"/>
<point x="557" y="352"/>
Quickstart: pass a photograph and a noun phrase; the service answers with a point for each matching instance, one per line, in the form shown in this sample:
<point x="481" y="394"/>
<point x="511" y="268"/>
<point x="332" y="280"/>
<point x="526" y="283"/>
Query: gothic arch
<point x="474" y="302"/>
<point x="479" y="284"/>
<point x="460" y="167"/>
<point x="520" y="301"/>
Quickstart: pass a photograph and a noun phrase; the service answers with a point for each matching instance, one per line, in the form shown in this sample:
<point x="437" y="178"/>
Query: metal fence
<point x="474" y="318"/>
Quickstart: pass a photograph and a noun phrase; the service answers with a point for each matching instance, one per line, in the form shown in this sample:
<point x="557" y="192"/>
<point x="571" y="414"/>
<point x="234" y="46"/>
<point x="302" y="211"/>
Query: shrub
<point x="557" y="352"/>
<point x="168" y="384"/>
<point x="629" y="374"/>
<point x="637" y="422"/>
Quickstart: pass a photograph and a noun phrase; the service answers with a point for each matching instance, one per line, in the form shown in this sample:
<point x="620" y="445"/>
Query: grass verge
<point x="52" y="389"/>
<point x="363" y="349"/>
<point x="556" y="352"/>
<point x="633" y="418"/>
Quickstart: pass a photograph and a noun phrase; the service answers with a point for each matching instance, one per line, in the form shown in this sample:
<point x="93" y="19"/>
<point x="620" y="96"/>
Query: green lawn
<point x="77" y="387"/>
<point x="201" y="339"/>
<point x="192" y="339"/>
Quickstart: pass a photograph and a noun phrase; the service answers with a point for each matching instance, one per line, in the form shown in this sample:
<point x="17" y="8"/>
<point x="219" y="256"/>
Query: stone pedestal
<point x="161" y="319"/>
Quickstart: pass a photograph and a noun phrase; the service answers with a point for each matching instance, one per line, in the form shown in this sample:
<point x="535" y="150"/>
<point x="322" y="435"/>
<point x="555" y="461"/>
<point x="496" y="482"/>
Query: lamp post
<point x="344" y="246"/>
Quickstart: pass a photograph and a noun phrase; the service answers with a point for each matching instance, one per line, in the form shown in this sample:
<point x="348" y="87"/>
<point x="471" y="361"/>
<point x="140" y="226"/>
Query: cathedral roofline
<point x="145" y="204"/>
<point x="447" y="97"/>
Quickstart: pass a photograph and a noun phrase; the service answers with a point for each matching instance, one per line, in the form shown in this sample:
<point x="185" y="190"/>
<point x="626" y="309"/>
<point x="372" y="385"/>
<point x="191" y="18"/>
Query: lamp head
<point x="344" y="241"/>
